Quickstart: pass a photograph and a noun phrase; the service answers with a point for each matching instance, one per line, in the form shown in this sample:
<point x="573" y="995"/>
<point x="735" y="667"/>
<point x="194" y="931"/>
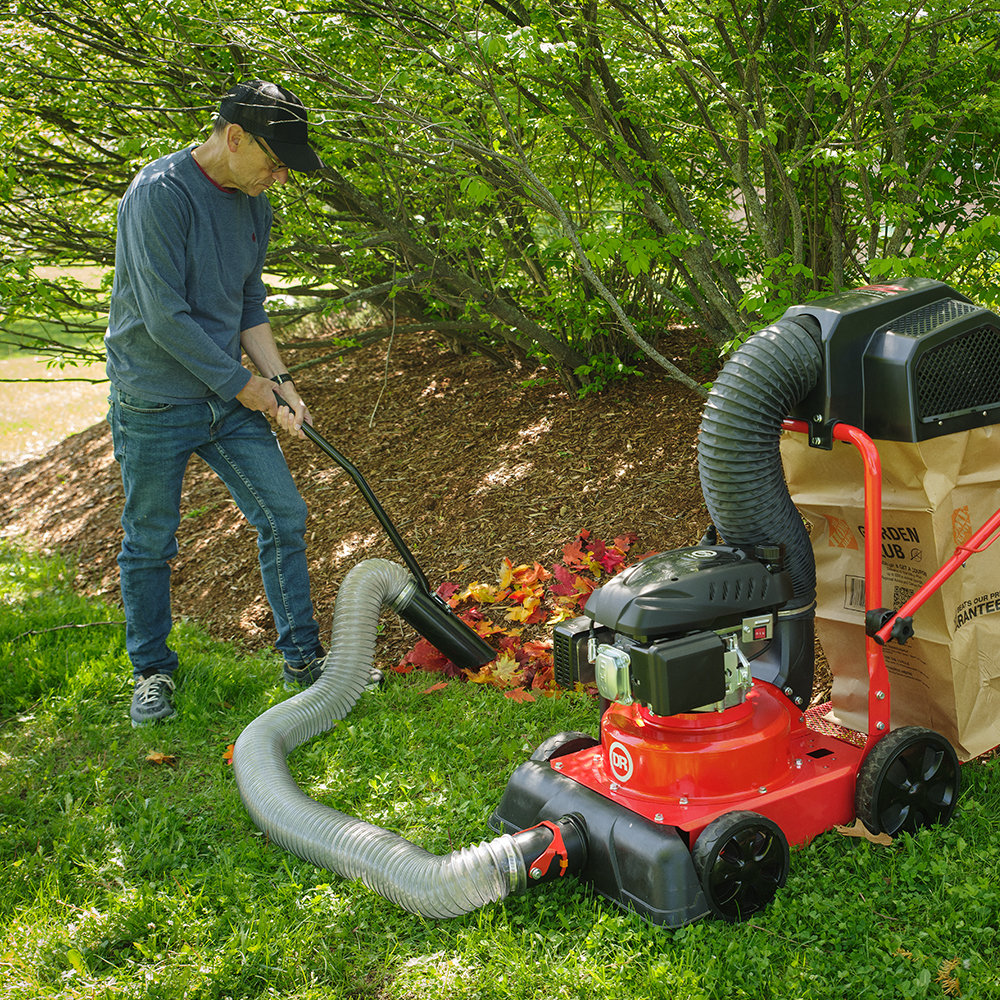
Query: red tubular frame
<point x="878" y="673"/>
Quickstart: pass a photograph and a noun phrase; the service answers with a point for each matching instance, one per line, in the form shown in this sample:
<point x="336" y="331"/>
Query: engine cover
<point x="675" y="632"/>
<point x="706" y="587"/>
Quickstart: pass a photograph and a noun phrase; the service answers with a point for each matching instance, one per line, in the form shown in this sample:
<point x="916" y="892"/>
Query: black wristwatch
<point x="282" y="378"/>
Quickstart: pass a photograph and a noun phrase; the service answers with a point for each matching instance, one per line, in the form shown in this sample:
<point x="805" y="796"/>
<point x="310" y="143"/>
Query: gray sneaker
<point x="151" y="700"/>
<point x="305" y="675"/>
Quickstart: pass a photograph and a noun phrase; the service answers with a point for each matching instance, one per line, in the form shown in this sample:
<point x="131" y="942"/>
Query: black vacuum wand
<point x="423" y="609"/>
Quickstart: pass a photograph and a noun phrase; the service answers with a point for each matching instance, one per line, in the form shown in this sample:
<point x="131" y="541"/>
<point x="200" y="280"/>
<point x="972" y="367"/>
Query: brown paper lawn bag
<point x="935" y="494"/>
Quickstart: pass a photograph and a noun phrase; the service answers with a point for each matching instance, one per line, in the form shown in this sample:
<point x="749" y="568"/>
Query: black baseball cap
<point x="277" y="116"/>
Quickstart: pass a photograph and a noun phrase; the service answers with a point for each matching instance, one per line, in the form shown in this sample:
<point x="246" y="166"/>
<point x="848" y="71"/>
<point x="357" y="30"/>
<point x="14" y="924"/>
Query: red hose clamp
<point x="556" y="849"/>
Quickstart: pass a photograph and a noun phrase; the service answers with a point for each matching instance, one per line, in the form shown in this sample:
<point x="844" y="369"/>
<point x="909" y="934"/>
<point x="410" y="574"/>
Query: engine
<point x="678" y="632"/>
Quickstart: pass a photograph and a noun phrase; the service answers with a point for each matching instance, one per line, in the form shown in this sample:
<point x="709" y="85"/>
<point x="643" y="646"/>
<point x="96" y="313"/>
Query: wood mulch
<point x="472" y="463"/>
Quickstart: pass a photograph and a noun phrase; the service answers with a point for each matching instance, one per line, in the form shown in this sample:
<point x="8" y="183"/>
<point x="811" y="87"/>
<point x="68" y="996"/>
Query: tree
<point x="563" y="180"/>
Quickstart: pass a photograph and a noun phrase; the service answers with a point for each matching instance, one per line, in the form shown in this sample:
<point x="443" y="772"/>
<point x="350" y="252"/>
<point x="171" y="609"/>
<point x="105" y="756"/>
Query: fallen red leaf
<point x="611" y="559"/>
<point x="519" y="694"/>
<point x="597" y="549"/>
<point x="538" y="648"/>
<point x="624" y="542"/>
<point x="566" y="577"/>
<point x="436" y="687"/>
<point x="427" y="656"/>
<point x="526" y="595"/>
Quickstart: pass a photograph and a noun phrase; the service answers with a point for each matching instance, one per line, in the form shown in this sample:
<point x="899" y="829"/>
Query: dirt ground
<point x="472" y="464"/>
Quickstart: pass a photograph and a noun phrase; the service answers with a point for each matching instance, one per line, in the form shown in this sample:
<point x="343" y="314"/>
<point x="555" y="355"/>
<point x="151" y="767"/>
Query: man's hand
<point x="291" y="417"/>
<point x="259" y="394"/>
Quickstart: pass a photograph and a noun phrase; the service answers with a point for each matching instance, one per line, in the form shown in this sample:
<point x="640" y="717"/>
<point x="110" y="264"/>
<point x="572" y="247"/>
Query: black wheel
<point x="909" y="780"/>
<point x="741" y="860"/>
<point x="562" y="744"/>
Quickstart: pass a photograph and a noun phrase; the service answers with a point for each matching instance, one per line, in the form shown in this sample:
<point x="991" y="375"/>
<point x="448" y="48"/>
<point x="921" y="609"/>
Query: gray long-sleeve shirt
<point x="188" y="263"/>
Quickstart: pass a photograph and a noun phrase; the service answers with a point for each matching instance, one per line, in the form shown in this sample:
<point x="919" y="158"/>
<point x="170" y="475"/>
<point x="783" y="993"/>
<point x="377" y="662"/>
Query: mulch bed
<point x="472" y="463"/>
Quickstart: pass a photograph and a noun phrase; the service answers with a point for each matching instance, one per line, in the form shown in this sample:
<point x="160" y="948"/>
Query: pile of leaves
<point x="516" y="615"/>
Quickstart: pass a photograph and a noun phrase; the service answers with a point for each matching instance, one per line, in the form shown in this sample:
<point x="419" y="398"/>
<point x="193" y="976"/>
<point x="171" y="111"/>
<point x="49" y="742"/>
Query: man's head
<point x="275" y="118"/>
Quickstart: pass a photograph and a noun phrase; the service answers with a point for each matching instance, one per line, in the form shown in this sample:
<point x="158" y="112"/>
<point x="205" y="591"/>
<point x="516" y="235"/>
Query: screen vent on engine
<point x="959" y="376"/>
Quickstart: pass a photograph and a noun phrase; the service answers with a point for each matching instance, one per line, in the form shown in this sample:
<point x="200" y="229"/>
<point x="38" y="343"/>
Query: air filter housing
<point x="905" y="361"/>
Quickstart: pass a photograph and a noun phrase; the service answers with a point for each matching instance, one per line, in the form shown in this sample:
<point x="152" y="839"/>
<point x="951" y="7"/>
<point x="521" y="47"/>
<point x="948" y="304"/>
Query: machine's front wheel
<point x="741" y="860"/>
<point x="562" y="744"/>
<point x="909" y="780"/>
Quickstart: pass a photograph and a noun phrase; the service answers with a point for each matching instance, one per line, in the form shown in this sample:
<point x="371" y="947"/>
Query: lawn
<point x="130" y="867"/>
<point x="49" y="393"/>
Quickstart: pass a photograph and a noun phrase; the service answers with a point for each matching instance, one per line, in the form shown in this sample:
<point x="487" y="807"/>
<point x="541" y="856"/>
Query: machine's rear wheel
<point x="909" y="780"/>
<point x="562" y="744"/>
<point x="742" y="860"/>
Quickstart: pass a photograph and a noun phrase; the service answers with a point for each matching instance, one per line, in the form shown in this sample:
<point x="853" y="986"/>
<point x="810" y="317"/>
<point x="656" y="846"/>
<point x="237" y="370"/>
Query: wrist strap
<point x="282" y="378"/>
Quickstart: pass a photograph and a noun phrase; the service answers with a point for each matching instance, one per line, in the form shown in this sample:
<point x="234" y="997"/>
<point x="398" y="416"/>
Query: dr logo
<point x="621" y="762"/>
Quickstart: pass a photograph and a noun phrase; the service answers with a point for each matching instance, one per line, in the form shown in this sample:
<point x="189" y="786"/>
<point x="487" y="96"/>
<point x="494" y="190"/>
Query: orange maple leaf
<point x="158" y="757"/>
<point x="519" y="694"/>
<point x="228" y="755"/>
<point x="538" y="649"/>
<point x="485" y="627"/>
<point x="534" y="575"/>
<point x="573" y="553"/>
<point x="544" y="678"/>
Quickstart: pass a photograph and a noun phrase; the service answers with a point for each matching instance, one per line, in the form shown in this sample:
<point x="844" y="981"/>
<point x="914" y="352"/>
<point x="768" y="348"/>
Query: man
<point x="187" y="302"/>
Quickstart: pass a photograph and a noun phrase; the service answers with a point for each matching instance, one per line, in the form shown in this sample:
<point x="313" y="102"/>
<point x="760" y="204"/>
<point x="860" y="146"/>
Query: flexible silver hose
<point x="423" y="883"/>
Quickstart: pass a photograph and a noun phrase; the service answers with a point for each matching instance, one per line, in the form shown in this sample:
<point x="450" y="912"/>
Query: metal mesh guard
<point x="959" y="375"/>
<point x="815" y="721"/>
<point x="927" y="318"/>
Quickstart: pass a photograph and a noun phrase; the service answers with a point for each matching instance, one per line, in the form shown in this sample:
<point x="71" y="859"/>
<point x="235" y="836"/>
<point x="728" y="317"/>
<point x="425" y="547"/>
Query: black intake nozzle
<point x="437" y="623"/>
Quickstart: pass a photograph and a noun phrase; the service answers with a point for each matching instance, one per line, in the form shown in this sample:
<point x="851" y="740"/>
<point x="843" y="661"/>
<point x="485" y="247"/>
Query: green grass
<point x="125" y="878"/>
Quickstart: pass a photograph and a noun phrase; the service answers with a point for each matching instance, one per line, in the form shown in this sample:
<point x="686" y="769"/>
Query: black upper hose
<point x="739" y="459"/>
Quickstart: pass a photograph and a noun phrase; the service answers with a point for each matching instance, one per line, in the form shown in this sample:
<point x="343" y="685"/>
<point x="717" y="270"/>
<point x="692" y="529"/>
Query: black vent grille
<point x="927" y="318"/>
<point x="562" y="659"/>
<point x="959" y="375"/>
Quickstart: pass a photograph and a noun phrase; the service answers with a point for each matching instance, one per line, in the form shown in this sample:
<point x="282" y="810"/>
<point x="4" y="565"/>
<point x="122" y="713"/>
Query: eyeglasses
<point x="276" y="165"/>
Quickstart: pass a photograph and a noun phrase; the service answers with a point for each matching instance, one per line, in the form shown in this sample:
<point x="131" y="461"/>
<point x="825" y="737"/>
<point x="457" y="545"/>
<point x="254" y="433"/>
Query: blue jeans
<point x="153" y="442"/>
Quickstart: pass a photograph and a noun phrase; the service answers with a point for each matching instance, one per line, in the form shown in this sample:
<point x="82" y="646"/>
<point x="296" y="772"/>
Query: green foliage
<point x="506" y="166"/>
<point x="601" y="372"/>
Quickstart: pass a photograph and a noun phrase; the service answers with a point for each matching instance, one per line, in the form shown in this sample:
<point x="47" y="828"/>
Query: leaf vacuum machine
<point x="710" y="762"/>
